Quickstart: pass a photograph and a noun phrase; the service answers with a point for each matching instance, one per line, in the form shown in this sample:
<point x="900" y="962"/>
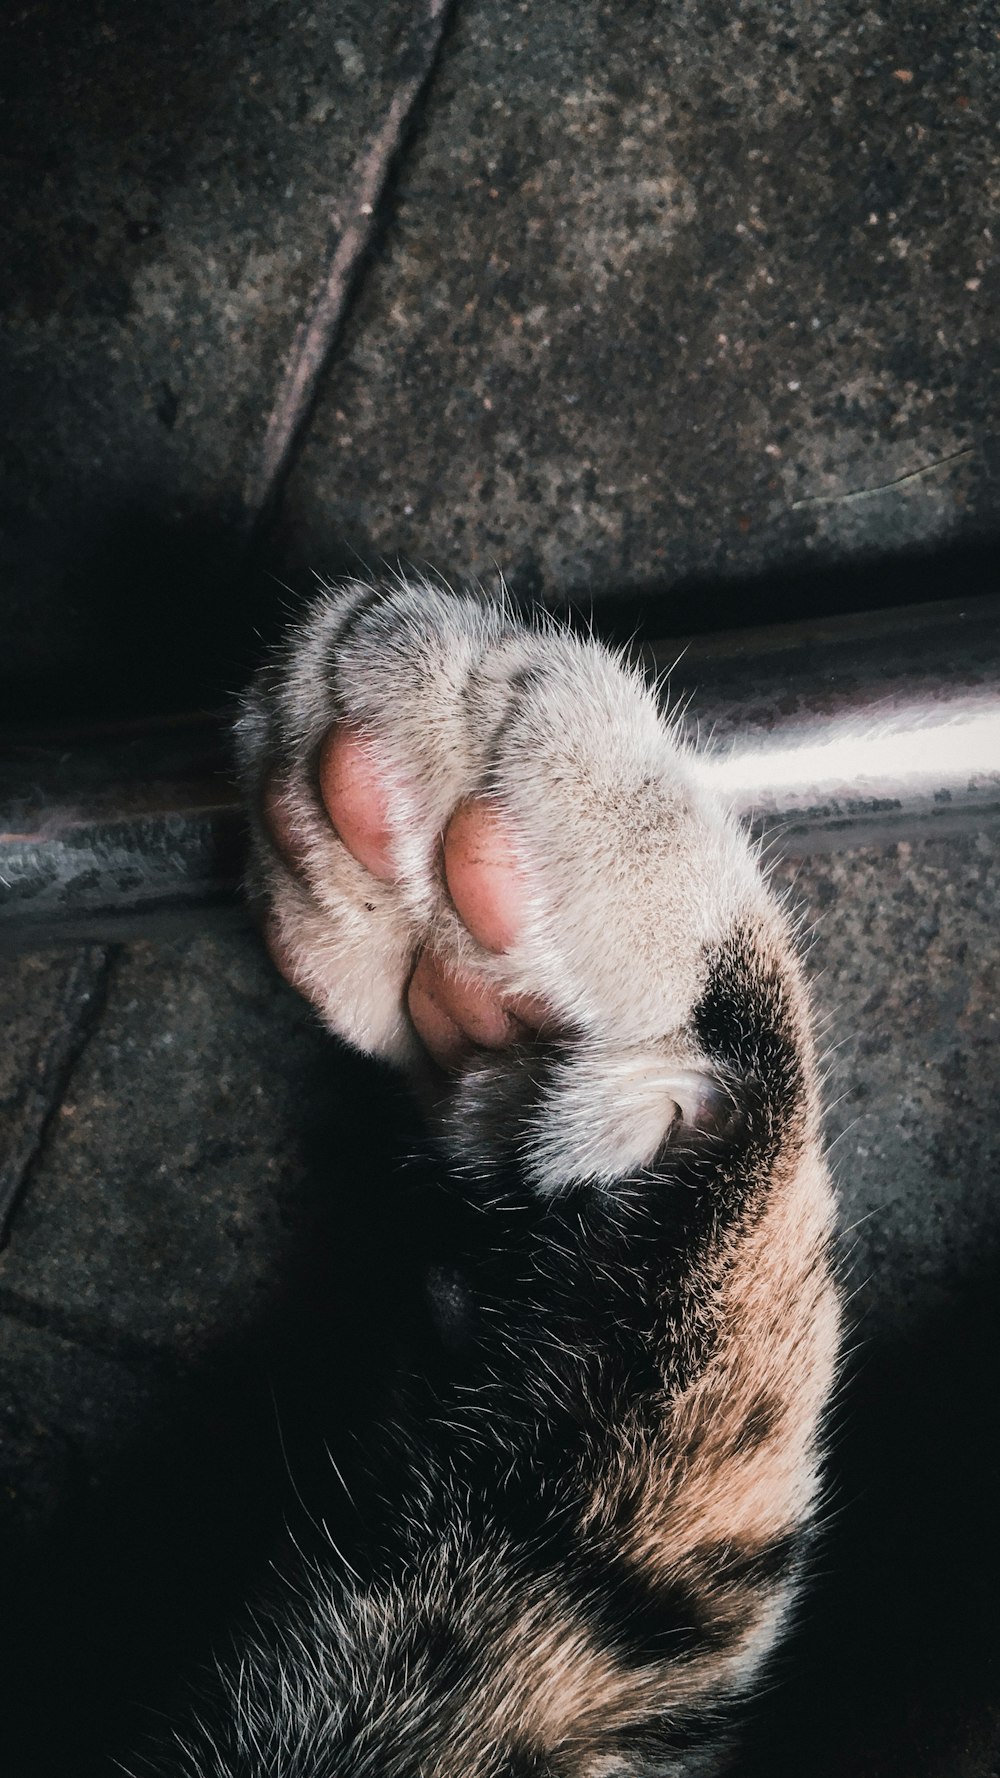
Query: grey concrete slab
<point x="673" y="292"/>
<point x="905" y="958"/>
<point x="33" y="988"/>
<point x="158" y="1160"/>
<point x="160" y="1214"/>
<point x="203" y="1283"/>
<point x="67" y="1412"/>
<point x="660" y="295"/>
<point x="171" y="176"/>
<point x="49" y="1006"/>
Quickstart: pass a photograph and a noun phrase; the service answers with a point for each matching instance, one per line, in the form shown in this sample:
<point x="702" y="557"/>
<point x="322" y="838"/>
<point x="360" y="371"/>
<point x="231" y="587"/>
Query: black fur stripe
<point x="645" y="1620"/>
<point x="527" y="1762"/>
<point x="362" y="603"/>
<point x="745" y="1021"/>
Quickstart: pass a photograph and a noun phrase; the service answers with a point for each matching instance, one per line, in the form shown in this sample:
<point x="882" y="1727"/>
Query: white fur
<point x="632" y="870"/>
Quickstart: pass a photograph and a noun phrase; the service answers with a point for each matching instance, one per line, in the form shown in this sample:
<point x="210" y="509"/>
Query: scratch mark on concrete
<point x="900" y="481"/>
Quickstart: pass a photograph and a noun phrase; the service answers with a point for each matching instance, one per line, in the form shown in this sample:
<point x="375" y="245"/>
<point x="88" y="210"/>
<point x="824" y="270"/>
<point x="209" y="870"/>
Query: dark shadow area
<point x="173" y="617"/>
<point x="170" y="618"/>
<point x="121" y="1599"/>
<point x="894" y="1668"/>
<point x="651" y="609"/>
<point x="896" y="1665"/>
<point x="789" y="594"/>
<point x="155" y="617"/>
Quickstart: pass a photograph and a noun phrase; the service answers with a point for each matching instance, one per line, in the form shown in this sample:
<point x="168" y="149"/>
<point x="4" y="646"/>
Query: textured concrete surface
<point x="212" y="1265"/>
<point x="661" y="289"/>
<point x="897" y="1668"/>
<point x="170" y="174"/>
<point x="660" y="295"/>
<point x="905" y="958"/>
<point x="53" y="1003"/>
<point x="164" y="1205"/>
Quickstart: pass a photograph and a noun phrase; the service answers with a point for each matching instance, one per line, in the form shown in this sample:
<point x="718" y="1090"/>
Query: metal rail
<point x="824" y="735"/>
<point x="852" y="730"/>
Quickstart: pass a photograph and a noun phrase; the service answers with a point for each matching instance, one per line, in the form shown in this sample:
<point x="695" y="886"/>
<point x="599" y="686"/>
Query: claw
<point x="706" y="1106"/>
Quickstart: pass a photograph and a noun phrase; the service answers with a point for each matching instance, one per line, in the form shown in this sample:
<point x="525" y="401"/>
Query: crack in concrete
<point x="899" y="481"/>
<point x="351" y="235"/>
<point x="82" y="1000"/>
<point x="78" y="1330"/>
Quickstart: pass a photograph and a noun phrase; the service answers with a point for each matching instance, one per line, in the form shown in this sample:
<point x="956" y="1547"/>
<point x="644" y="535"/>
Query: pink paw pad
<point x="450" y="1010"/>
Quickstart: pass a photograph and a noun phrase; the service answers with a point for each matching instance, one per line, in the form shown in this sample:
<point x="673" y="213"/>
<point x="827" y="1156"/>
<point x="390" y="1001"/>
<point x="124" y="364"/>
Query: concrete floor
<point x="656" y="302"/>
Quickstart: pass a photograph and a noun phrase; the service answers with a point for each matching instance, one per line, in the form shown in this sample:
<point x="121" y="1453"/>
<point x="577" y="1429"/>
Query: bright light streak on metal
<point x="919" y="745"/>
<point x="832" y="734"/>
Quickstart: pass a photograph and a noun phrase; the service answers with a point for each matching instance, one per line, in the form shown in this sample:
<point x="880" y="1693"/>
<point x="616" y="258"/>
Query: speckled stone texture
<point x="664" y="295"/>
<point x="212" y="1272"/>
<point x="663" y="287"/>
<point x="170" y="174"/>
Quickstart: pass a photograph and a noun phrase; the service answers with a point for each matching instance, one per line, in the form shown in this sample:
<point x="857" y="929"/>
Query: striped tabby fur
<point x="601" y="1520"/>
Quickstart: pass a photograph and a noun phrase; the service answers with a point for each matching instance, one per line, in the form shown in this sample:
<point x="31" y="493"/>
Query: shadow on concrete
<point x="121" y="1598"/>
<point x="158" y="616"/>
<point x="167" y="616"/>
<point x="787" y="595"/>
<point x="894" y="1667"/>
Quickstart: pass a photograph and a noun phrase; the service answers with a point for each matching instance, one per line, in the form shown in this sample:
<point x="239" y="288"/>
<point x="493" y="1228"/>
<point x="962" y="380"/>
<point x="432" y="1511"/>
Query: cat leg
<point x="483" y="839"/>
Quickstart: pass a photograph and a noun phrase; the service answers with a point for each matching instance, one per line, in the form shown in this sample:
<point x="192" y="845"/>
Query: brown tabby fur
<point x="597" y="1521"/>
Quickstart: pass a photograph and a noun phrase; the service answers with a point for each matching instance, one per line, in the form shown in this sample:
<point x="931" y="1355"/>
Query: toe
<point x="356" y="799"/>
<point x="482" y="873"/>
<point x="451" y="1009"/>
<point x="437" y="1029"/>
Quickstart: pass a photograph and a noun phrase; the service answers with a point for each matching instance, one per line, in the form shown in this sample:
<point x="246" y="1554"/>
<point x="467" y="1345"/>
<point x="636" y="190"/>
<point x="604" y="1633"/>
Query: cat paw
<point x="451" y="1008"/>
<point x="480" y="839"/>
